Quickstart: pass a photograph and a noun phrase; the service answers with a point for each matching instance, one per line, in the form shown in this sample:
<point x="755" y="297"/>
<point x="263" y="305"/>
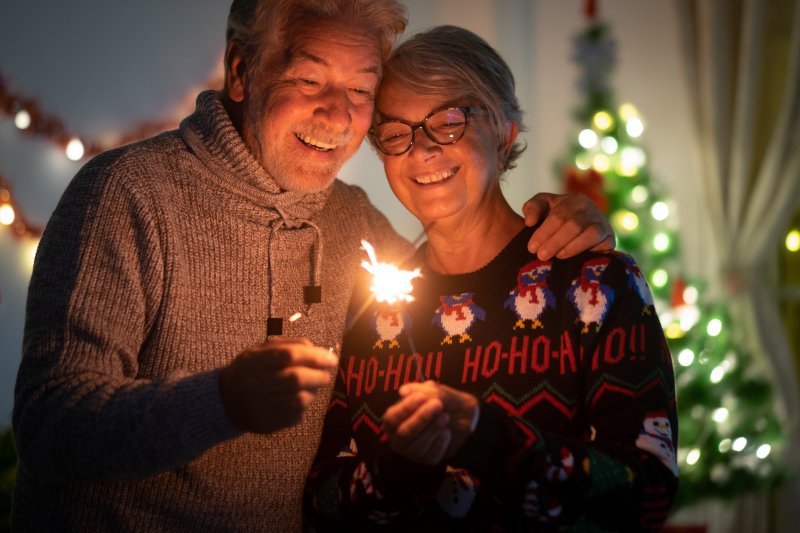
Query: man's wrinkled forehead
<point x="306" y="44"/>
<point x="300" y="56"/>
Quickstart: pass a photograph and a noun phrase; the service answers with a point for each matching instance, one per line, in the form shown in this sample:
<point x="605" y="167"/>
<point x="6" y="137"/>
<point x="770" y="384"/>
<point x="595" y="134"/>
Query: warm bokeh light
<point x="75" y="149"/>
<point x="609" y="145"/>
<point x="717" y="374"/>
<point x="628" y="111"/>
<point x="22" y="119"/>
<point x="29" y="253"/>
<point x="7" y="214"/>
<point x="601" y="162"/>
<point x="793" y="240"/>
<point x="626" y="170"/>
<point x="686" y="357"/>
<point x="689" y="316"/>
<point x="693" y="456"/>
<point x="659" y="211"/>
<point x="674" y="330"/>
<point x="634" y="127"/>
<point x="583" y="161"/>
<point x="720" y="415"/>
<point x="587" y="138"/>
<point x="639" y="194"/>
<point x="659" y="277"/>
<point x="690" y="295"/>
<point x="603" y="120"/>
<point x="661" y="242"/>
<point x="624" y="220"/>
<point x="714" y="327"/>
<point x="632" y="156"/>
<point x="763" y="451"/>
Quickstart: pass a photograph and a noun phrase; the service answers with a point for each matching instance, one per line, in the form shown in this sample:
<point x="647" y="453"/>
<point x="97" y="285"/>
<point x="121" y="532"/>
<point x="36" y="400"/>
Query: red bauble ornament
<point x="676" y="297"/>
<point x="588" y="182"/>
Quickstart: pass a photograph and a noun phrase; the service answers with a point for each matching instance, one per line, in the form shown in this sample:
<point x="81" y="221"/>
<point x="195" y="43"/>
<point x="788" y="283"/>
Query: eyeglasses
<point x="442" y="126"/>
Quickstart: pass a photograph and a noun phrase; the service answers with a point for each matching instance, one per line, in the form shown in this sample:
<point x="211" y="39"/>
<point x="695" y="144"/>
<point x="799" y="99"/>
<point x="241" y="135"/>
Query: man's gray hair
<point x="263" y="28"/>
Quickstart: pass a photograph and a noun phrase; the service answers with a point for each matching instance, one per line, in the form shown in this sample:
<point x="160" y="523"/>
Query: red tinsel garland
<point x="52" y="128"/>
<point x="21" y="227"/>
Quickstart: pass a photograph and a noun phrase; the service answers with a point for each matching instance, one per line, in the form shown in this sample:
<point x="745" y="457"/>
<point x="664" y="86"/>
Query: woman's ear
<point x="235" y="72"/>
<point x="510" y="132"/>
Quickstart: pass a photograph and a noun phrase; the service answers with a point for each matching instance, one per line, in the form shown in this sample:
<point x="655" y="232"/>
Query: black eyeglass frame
<point x="466" y="110"/>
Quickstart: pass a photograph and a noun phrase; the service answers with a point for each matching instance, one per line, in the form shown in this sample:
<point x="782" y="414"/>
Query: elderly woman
<point x="512" y="392"/>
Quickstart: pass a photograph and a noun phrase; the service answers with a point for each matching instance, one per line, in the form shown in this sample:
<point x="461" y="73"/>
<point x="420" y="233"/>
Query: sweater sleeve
<point x="623" y="474"/>
<point x="81" y="412"/>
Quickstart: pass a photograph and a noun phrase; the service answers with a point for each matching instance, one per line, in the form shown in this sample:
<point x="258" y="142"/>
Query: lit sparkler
<point x="389" y="283"/>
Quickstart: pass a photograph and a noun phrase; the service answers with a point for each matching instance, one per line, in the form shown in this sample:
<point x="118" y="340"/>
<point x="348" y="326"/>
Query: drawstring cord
<point x="312" y="293"/>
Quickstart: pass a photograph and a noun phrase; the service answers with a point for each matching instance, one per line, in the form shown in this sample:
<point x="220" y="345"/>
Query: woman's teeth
<point x="434" y="178"/>
<point x="315" y="144"/>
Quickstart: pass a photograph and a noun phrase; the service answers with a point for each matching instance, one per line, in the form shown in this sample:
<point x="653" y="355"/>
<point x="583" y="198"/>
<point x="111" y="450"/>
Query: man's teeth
<point x="433" y="178"/>
<point x="316" y="144"/>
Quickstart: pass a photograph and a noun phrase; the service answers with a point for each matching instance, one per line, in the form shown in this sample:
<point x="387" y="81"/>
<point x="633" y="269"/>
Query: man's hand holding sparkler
<point x="270" y="386"/>
<point x="430" y="422"/>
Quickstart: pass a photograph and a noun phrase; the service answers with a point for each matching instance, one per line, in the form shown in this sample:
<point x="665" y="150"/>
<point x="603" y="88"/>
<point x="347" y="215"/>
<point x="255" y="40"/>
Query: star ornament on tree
<point x="389" y="283"/>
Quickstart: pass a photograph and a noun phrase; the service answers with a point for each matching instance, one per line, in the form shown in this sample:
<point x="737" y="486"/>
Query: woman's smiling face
<point x="433" y="181"/>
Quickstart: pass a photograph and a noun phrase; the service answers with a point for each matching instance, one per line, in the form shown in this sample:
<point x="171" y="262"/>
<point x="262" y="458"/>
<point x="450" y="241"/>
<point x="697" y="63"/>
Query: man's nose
<point x="335" y="107"/>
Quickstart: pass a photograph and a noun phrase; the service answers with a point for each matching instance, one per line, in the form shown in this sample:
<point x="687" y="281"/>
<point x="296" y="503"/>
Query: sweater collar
<point x="216" y="142"/>
<point x="212" y="137"/>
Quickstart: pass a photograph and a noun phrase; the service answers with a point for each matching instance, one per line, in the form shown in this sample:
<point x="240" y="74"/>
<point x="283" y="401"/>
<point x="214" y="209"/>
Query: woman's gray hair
<point x="264" y="28"/>
<point x="448" y="63"/>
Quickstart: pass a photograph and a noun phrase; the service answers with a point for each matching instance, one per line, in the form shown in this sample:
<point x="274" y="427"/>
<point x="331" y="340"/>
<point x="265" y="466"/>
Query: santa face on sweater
<point x="304" y="125"/>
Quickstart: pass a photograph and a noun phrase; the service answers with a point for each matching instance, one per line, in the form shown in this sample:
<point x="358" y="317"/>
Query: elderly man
<point x="160" y="388"/>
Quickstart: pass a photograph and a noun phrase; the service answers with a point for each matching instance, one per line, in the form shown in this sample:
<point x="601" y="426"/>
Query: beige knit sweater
<point x="161" y="262"/>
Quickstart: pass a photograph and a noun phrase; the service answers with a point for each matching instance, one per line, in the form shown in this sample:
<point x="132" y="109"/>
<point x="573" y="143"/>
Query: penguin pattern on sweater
<point x="577" y="426"/>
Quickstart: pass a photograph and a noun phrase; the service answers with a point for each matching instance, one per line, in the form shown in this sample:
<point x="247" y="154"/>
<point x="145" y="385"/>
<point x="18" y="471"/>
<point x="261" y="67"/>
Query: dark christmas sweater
<point x="577" y="401"/>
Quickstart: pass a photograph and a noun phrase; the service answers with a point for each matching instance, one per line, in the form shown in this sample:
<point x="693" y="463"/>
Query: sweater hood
<point x="210" y="134"/>
<point x="216" y="142"/>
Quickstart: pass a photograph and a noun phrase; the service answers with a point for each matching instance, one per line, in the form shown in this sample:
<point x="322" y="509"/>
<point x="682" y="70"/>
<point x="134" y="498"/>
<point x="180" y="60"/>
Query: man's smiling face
<point x="307" y="125"/>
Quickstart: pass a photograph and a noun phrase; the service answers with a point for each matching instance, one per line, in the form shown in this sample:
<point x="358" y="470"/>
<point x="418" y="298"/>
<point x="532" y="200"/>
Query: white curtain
<point x="743" y="66"/>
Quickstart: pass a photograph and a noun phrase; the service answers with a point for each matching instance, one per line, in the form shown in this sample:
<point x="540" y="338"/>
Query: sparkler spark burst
<point x="389" y="283"/>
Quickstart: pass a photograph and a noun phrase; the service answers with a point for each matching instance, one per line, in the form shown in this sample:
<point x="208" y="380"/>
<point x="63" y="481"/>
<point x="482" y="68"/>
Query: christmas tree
<point x="730" y="440"/>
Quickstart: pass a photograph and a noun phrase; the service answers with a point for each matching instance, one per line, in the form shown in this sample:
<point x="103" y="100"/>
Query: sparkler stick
<point x="331" y="349"/>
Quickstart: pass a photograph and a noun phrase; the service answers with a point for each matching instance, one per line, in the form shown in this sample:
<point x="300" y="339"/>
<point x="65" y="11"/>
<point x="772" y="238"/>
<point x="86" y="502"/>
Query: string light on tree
<point x="793" y="240"/>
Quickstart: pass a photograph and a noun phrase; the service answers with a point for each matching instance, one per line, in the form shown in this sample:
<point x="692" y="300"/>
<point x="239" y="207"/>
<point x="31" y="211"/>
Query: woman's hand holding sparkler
<point x="430" y="422"/>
